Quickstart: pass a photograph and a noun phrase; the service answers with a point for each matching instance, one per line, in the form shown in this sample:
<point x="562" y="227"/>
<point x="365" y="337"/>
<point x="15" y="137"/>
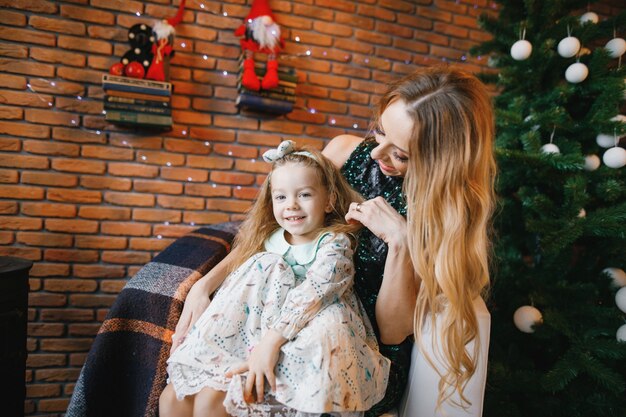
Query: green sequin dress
<point x="365" y="176"/>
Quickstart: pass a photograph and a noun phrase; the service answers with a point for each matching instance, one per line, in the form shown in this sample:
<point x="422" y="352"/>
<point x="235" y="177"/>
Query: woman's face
<point x="393" y="135"/>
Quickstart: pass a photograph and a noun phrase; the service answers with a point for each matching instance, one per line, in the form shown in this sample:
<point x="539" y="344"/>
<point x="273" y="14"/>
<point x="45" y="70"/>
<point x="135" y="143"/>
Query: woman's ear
<point x="330" y="206"/>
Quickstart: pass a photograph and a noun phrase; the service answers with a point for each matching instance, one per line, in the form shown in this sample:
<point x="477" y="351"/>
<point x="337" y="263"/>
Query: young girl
<point x="287" y="314"/>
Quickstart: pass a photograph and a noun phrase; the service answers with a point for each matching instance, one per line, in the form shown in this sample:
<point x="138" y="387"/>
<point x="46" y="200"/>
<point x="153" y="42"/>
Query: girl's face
<point x="393" y="135"/>
<point x="299" y="202"/>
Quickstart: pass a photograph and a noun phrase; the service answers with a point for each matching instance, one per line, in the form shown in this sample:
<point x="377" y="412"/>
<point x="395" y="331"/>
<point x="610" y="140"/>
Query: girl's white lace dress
<point x="331" y="362"/>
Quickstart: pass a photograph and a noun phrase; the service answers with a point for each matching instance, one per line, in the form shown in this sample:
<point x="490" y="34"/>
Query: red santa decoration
<point x="162" y="47"/>
<point x="260" y="33"/>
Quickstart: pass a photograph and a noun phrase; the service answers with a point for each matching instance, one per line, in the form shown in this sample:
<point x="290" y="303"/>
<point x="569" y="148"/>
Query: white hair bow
<point x="285" y="148"/>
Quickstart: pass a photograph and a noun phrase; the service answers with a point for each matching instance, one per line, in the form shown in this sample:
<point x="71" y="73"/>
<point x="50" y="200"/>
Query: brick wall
<point x="90" y="202"/>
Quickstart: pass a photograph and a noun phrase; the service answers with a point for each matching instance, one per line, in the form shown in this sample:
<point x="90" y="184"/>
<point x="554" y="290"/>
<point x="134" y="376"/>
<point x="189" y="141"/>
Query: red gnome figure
<point x="164" y="34"/>
<point x="260" y="34"/>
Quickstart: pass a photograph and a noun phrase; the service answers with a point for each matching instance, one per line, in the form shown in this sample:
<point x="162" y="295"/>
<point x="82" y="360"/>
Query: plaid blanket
<point x="124" y="372"/>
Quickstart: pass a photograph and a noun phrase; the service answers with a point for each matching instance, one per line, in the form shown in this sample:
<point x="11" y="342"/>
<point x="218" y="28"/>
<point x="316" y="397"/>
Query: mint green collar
<point x="303" y="254"/>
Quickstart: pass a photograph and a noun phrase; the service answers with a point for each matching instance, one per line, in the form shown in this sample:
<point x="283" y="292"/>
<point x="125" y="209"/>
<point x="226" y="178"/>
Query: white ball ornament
<point x="568" y="47"/>
<point x="521" y="50"/>
<point x="615" y="157"/>
<point x="550" y="148"/>
<point x="589" y="17"/>
<point x="620" y="299"/>
<point x="618" y="276"/>
<point x="621" y="333"/>
<point x="592" y="162"/>
<point x="616" y="47"/>
<point x="526" y="317"/>
<point x="576" y="73"/>
<point x="605" y="141"/>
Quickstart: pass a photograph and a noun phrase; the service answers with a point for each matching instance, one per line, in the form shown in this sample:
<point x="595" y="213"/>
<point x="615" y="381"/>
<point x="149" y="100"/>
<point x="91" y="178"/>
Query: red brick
<point x="48" y="210"/>
<point x="70" y="285"/>
<point x="71" y="225"/>
<point x="28" y="68"/>
<point x="46" y="300"/>
<point x="12" y="18"/>
<point x="126" y="257"/>
<point x="66" y="345"/>
<point x="24" y="130"/>
<point x="42" y="269"/>
<point x="70" y="255"/>
<point x="196" y="218"/>
<point x="39" y="6"/>
<point x="19" y="223"/>
<point x="8" y="207"/>
<point x="151" y="244"/>
<point x="105" y="152"/>
<point x="156" y="215"/>
<point x="67" y="314"/>
<point x="79" y="165"/>
<point x="45" y="329"/>
<point x="43" y="390"/>
<point x="88" y="300"/>
<point x="173" y="231"/>
<point x="83" y="329"/>
<point x="232" y="178"/>
<point x="116" y="287"/>
<point x="6" y="238"/>
<point x="56" y="375"/>
<point x="207" y="190"/>
<point x="87" y="14"/>
<point x="44" y="239"/>
<point x="99" y="271"/>
<point x="189" y="203"/>
<point x="31" y="99"/>
<point x="57" y="25"/>
<point x="209" y="162"/>
<point x="74" y="196"/>
<point x="11" y="113"/>
<point x="33" y="254"/>
<point x="104" y="213"/>
<point x="20" y="192"/>
<point x="40" y="360"/>
<point x="77" y="135"/>
<point x="12" y="81"/>
<point x="100" y="183"/>
<point x="125" y="229"/>
<point x="129" y="199"/>
<point x="211" y="134"/>
<point x="236" y="206"/>
<point x="29" y="36"/>
<point x="49" y="178"/>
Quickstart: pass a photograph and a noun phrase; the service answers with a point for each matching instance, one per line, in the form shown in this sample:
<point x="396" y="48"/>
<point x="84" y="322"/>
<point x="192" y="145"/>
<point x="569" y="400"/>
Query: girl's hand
<point x="381" y="219"/>
<point x="260" y="366"/>
<point x="196" y="302"/>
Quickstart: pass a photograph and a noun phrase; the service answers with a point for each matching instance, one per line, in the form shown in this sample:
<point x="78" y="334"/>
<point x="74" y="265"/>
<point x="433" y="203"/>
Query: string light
<point x="225" y="73"/>
<point x="184" y="132"/>
<point x="159" y="237"/>
<point x="333" y="121"/>
<point x="205" y="57"/>
<point x="169" y="164"/>
<point x="297" y="38"/>
<point x="356" y="126"/>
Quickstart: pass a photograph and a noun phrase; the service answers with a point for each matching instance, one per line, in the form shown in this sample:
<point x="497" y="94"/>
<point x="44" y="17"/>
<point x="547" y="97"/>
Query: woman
<point x="427" y="176"/>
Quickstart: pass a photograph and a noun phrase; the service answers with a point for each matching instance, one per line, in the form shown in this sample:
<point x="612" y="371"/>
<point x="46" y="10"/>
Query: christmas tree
<point x="558" y="339"/>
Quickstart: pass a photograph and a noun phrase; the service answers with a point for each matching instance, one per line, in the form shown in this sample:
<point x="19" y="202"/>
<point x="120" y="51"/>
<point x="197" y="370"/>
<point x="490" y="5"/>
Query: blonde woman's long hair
<point x="260" y="221"/>
<point x="449" y="189"/>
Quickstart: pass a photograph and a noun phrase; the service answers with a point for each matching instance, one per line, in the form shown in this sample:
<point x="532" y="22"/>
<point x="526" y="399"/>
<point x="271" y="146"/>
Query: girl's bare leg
<point x="209" y="403"/>
<point x="170" y="406"/>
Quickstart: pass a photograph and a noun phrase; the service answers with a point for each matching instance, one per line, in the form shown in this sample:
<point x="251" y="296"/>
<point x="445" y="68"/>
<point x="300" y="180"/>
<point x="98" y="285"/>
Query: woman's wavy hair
<point x="260" y="222"/>
<point x="449" y="189"/>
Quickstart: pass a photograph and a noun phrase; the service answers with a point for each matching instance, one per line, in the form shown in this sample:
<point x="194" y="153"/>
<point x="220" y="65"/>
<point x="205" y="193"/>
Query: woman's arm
<point x="339" y="149"/>
<point x="198" y="298"/>
<point x="395" y="304"/>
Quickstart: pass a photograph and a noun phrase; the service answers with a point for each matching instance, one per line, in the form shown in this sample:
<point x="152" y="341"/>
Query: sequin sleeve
<point x="328" y="277"/>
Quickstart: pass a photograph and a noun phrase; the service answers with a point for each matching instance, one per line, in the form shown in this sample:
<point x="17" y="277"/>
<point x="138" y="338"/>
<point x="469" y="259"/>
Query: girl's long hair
<point x="449" y="188"/>
<point x="260" y="221"/>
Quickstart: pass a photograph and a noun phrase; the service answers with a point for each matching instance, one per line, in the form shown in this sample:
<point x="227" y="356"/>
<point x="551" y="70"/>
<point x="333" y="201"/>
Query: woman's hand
<point x="381" y="219"/>
<point x="260" y="366"/>
<point x="196" y="302"/>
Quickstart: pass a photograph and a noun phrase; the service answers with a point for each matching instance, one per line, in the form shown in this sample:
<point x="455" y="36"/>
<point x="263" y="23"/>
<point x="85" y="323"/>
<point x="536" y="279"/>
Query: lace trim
<point x="188" y="380"/>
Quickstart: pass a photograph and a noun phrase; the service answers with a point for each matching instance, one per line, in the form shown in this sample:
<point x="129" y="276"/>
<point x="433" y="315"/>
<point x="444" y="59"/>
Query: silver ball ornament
<point x="550" y="148"/>
<point x="568" y="47"/>
<point x="620" y="335"/>
<point x="589" y="17"/>
<point x="592" y="162"/>
<point x="618" y="276"/>
<point x="576" y="73"/>
<point x="605" y="141"/>
<point x="521" y="50"/>
<point x="526" y="317"/>
<point x="620" y="299"/>
<point x="615" y="157"/>
<point x="616" y="47"/>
